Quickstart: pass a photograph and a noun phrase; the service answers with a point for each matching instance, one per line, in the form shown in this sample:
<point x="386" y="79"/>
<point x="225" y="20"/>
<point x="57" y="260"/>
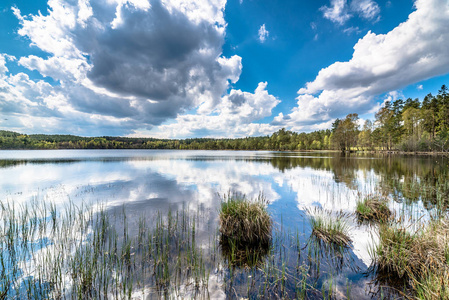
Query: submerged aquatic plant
<point x="329" y="227"/>
<point x="245" y="221"/>
<point x="373" y="208"/>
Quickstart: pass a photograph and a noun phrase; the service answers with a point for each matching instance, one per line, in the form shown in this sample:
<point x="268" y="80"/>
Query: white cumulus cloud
<point x="263" y="33"/>
<point x="413" y="51"/>
<point x="341" y="11"/>
<point x="233" y="117"/>
<point x="338" y="11"/>
<point x="121" y="65"/>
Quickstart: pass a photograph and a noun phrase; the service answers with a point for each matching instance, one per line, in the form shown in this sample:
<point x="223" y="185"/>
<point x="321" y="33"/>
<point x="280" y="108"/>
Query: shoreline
<point x="382" y="152"/>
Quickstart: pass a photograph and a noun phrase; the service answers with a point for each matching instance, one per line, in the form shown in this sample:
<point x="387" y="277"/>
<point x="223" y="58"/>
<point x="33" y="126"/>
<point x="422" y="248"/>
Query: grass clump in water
<point x="245" y="221"/>
<point x="330" y="228"/>
<point x="420" y="257"/>
<point x="373" y="208"/>
<point x="399" y="251"/>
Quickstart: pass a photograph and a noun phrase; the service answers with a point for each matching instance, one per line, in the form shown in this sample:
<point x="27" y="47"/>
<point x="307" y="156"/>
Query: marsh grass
<point x="89" y="252"/>
<point x="405" y="253"/>
<point x="373" y="209"/>
<point x="433" y="285"/>
<point x="245" y="221"/>
<point x="335" y="255"/>
<point x="80" y="253"/>
<point x="393" y="254"/>
<point x="329" y="227"/>
<point x="419" y="257"/>
<point x="282" y="273"/>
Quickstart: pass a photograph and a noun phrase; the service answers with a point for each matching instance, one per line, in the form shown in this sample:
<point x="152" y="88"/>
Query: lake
<point x="153" y="184"/>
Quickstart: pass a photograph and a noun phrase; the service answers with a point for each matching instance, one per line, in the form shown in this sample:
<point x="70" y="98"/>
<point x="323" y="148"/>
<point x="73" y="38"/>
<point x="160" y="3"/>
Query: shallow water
<point x="145" y="182"/>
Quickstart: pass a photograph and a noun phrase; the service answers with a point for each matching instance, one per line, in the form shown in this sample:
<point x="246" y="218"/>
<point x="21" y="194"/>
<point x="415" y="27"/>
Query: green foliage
<point x="414" y="126"/>
<point x="282" y="140"/>
<point x="345" y="133"/>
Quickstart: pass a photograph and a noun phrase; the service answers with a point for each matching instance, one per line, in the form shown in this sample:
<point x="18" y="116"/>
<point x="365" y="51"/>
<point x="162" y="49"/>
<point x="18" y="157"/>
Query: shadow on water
<point x="243" y="255"/>
<point x="385" y="285"/>
<point x="335" y="256"/>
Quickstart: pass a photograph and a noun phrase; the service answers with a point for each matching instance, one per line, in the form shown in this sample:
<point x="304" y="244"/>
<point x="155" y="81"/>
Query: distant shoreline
<point x="382" y="152"/>
<point x="282" y="140"/>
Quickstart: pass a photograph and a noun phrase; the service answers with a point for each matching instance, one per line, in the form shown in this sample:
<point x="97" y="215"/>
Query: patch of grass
<point x="373" y="209"/>
<point x="398" y="251"/>
<point x="330" y="228"/>
<point x="420" y="257"/>
<point x="433" y="286"/>
<point x="245" y="221"/>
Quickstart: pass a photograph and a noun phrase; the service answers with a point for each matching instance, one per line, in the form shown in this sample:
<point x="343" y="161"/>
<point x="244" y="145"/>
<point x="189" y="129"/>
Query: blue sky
<point x="214" y="68"/>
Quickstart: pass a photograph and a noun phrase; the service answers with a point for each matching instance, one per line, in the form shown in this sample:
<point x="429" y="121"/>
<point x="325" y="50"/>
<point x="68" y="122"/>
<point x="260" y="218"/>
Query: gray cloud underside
<point x="132" y="64"/>
<point x="151" y="53"/>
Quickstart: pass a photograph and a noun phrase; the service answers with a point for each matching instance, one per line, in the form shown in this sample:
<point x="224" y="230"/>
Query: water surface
<point x="149" y="181"/>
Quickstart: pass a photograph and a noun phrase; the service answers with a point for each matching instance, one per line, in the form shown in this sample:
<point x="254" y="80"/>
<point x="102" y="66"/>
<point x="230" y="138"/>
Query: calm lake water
<point x="145" y="182"/>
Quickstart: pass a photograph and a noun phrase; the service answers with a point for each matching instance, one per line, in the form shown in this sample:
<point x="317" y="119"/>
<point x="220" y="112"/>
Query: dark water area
<point x="148" y="183"/>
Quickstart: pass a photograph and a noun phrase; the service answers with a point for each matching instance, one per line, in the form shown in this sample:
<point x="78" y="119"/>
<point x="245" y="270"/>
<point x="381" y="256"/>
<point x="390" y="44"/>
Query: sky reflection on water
<point x="173" y="178"/>
<point x="150" y="181"/>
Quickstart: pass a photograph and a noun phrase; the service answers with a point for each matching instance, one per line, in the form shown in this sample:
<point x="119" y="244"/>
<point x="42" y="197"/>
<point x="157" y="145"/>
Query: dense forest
<point x="411" y="125"/>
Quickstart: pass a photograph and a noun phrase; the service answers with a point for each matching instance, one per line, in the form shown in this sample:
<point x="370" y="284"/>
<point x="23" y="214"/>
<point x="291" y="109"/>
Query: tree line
<point x="410" y="125"/>
<point x="281" y="140"/>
